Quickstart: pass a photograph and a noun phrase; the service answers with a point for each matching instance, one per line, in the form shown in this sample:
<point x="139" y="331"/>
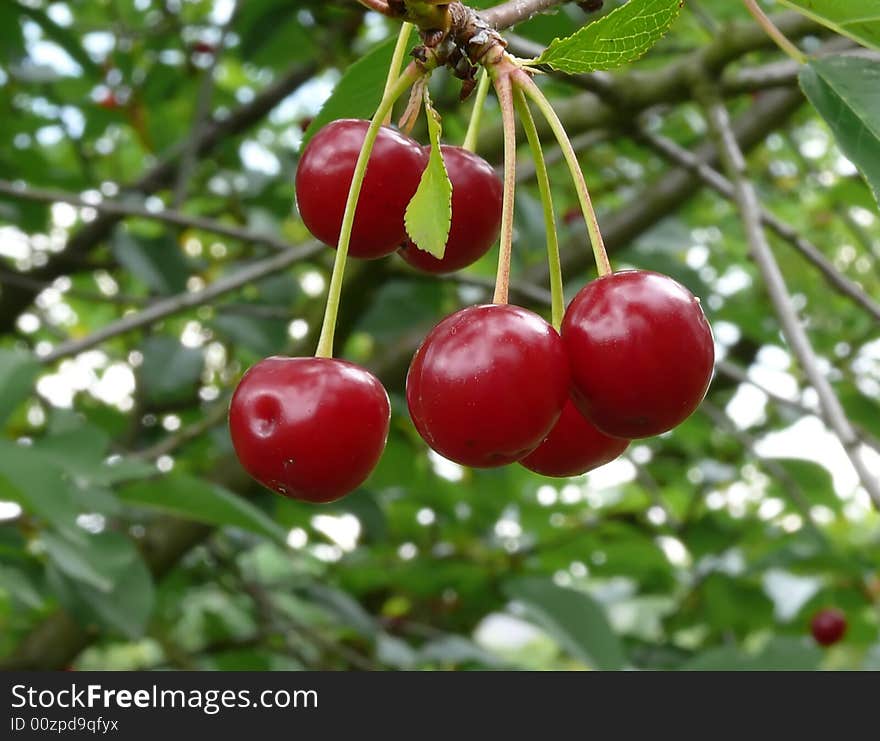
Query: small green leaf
<point x="170" y="371"/>
<point x="73" y="559"/>
<point x="18" y="369"/>
<point x="201" y="501"/>
<point x="573" y="618"/>
<point x="858" y="19"/>
<point x="124" y="600"/>
<point x="846" y="92"/>
<point x="155" y="261"/>
<point x="429" y="214"/>
<point x="620" y="37"/>
<point x="780" y="654"/>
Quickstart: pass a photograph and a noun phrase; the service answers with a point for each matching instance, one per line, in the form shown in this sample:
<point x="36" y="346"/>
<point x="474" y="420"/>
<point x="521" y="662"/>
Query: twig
<point x="789" y="485"/>
<point x="8" y="277"/>
<point x="122" y="209"/>
<point x="792" y="329"/>
<point x="190" y="153"/>
<point x="213" y="416"/>
<point x="715" y="180"/>
<point x="774" y="33"/>
<point x="514" y="11"/>
<point x="182" y="301"/>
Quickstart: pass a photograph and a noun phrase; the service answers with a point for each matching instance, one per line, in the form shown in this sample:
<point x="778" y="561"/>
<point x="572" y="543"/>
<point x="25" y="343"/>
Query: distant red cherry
<point x="487" y="385"/>
<point x="109" y="102"/>
<point x="324" y="175"/>
<point x="828" y="626"/>
<point x="573" y="216"/>
<point x="574" y="446"/>
<point x="476" y="214"/>
<point x="309" y="428"/>
<point x="641" y="353"/>
<point x="203" y="47"/>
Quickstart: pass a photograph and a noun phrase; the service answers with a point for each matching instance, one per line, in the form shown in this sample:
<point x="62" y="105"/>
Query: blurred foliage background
<point x="150" y="252"/>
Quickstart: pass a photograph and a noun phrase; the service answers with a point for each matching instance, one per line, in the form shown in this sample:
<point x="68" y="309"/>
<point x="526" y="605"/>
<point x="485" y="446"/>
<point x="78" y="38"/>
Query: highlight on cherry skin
<point x="641" y="353"/>
<point x="487" y="385"/>
<point x="311" y="429"/>
<point x="477" y="194"/>
<point x="574" y="446"/>
<point x="323" y="179"/>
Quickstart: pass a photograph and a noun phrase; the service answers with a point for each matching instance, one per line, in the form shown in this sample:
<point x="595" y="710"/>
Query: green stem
<point x="470" y="139"/>
<point x="504" y="90"/>
<point x="397" y="62"/>
<point x="527" y="85"/>
<point x="555" y="263"/>
<point x="774" y="33"/>
<point x="328" y="328"/>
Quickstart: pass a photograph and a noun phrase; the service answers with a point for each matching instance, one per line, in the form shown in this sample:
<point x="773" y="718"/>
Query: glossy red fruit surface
<point x="828" y="626"/>
<point x="476" y="214"/>
<point x="309" y="428"/>
<point x="641" y="353"/>
<point x="324" y="175"/>
<point x="487" y="385"/>
<point x="574" y="446"/>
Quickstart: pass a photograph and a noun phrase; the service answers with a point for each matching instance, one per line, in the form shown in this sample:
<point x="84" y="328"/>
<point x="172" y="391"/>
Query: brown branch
<point x="122" y="209"/>
<point x="715" y="180"/>
<point x="512" y="12"/>
<point x="182" y="301"/>
<point x="791" y="326"/>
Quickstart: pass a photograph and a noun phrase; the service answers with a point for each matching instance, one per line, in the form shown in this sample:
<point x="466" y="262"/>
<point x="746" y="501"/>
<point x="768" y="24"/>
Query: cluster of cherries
<point x="490" y="385"/>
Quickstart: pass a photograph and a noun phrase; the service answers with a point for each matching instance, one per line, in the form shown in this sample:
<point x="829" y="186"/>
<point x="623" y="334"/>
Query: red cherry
<point x="641" y="353"/>
<point x="203" y="47"/>
<point x="487" y="385"/>
<point x="476" y="214"/>
<point x="574" y="215"/>
<point x="574" y="446"/>
<point x="324" y="176"/>
<point x="109" y="102"/>
<point x="309" y="428"/>
<point x="828" y="626"/>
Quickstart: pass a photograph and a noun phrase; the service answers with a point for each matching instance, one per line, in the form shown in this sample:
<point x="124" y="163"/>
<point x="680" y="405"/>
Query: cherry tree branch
<point x="792" y="328"/>
<point x="515" y="11"/>
<point x="182" y="301"/>
<point x="122" y="209"/>
<point x="715" y="180"/>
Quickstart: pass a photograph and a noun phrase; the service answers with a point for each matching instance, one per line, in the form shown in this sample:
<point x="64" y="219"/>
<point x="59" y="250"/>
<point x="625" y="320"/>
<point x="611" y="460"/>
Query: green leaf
<point x="170" y="371"/>
<point x="126" y="597"/>
<point x="75" y="559"/>
<point x="19" y="585"/>
<point x="858" y="19"/>
<point x="846" y="91"/>
<point x="40" y="487"/>
<point x="18" y="369"/>
<point x="780" y="654"/>
<point x="157" y="262"/>
<point x="202" y="501"/>
<point x="573" y="618"/>
<point x="429" y="214"/>
<point x="621" y="36"/>
<point x="359" y="90"/>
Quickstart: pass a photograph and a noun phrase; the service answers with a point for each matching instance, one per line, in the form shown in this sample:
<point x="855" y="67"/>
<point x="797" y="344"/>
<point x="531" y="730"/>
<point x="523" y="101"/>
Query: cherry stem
<point x="380" y="6"/>
<point x="504" y="91"/>
<point x="528" y="86"/>
<point x="397" y="62"/>
<point x="328" y="328"/>
<point x="556" y="287"/>
<point x="774" y="33"/>
<point x="470" y="139"/>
